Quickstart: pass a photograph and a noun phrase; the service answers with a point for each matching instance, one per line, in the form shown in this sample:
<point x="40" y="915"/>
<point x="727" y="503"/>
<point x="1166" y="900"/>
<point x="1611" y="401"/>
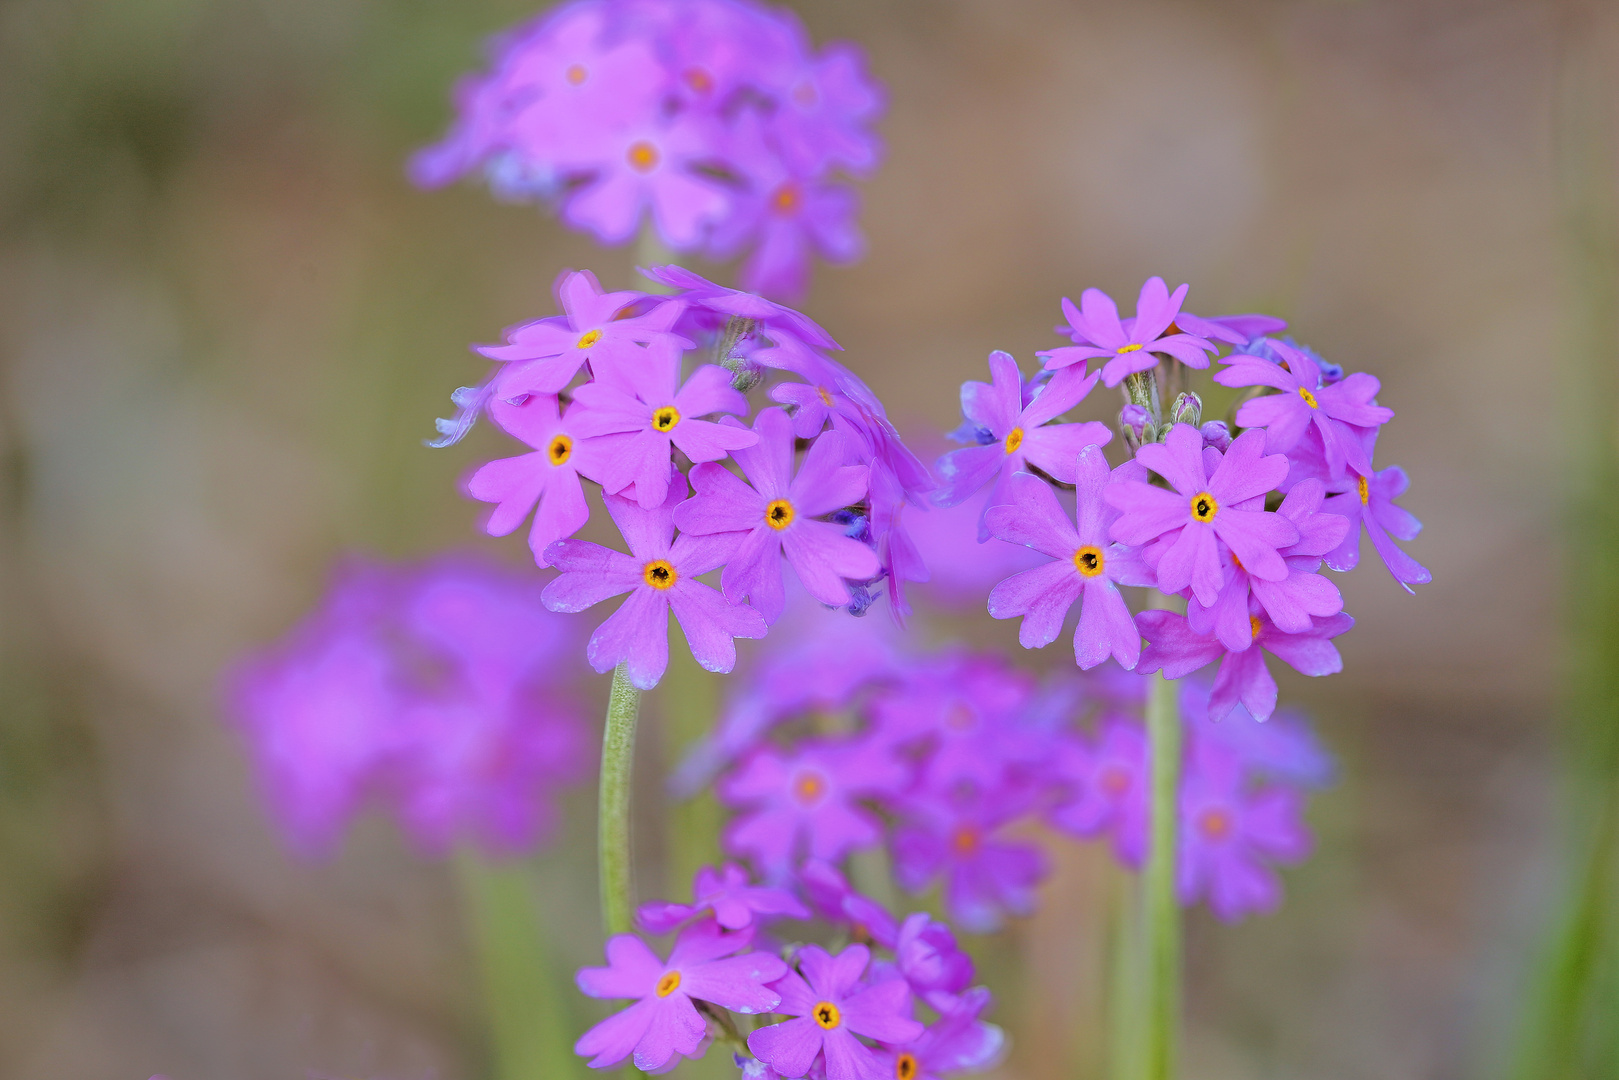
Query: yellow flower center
<point x="560" y="450"/>
<point x="1088" y="560"/>
<point x="905" y="1067"/>
<point x="576" y="74"/>
<point x="1204" y="507"/>
<point x="826" y="398"/>
<point x="1132" y="347"/>
<point x="1014" y="439"/>
<point x="642" y="155"/>
<point x="779" y="514"/>
<point x="1254" y="624"/>
<point x="669" y="983"/>
<point x="965" y="840"/>
<point x="1365" y="490"/>
<point x="590" y="338"/>
<point x="826" y="1014"/>
<point x="1309" y="398"/>
<point x="809" y="787"/>
<point x="666" y="418"/>
<point x="1215" y="824"/>
<point x="659" y="574"/>
<point x="786" y="199"/>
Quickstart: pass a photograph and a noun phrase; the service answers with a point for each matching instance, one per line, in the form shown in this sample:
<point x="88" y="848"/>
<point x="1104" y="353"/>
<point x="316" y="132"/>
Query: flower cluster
<point x="1236" y="516"/>
<point x="953" y="756"/>
<point x="845" y="1013"/>
<point x="716" y="116"/>
<point x="597" y="393"/>
<point x="434" y="687"/>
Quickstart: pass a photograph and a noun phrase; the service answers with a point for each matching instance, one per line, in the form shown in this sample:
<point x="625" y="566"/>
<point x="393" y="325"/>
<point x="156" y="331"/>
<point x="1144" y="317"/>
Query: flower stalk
<point x="613" y="806"/>
<point x="1161" y="974"/>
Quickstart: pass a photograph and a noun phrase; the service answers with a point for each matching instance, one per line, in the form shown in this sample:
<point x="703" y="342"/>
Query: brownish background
<point x="226" y="322"/>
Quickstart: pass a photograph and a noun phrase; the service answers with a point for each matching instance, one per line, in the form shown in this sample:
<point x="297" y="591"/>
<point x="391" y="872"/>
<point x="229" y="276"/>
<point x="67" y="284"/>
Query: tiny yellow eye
<point x="642" y="156"/>
<point x="1014" y="439"/>
<point x="669" y="983"/>
<point x="1309" y="398"/>
<point x="826" y="1014"/>
<point x="1089" y="560"/>
<point x="666" y="418"/>
<point x="1204" y="507"/>
<point x="560" y="450"/>
<point x="659" y="574"/>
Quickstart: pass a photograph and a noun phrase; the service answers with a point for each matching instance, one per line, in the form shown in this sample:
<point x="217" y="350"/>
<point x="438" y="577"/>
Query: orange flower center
<point x="826" y="1014"/>
<point x="1254" y="624"/>
<point x="642" y="155"/>
<point x="666" y="418"/>
<point x="589" y="338"/>
<point x="699" y="80"/>
<point x="905" y="1067"/>
<point x="560" y="450"/>
<point x="576" y="74"/>
<point x="1204" y="507"/>
<point x="965" y="840"/>
<point x="669" y="983"/>
<point x="1309" y="398"/>
<point x="1089" y="560"/>
<point x="1215" y="823"/>
<point x="809" y="787"/>
<point x="1365" y="490"/>
<point x="1130" y="348"/>
<point x="779" y="514"/>
<point x="1014" y="439"/>
<point x="659" y="574"/>
<point x="787" y="198"/>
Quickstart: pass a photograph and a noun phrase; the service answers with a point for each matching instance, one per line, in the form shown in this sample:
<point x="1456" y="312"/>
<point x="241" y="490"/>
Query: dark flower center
<point x="666" y="418"/>
<point x="905" y="1067"/>
<point x="659" y="574"/>
<point x="1089" y="561"/>
<point x="779" y="514"/>
<point x="1204" y="507"/>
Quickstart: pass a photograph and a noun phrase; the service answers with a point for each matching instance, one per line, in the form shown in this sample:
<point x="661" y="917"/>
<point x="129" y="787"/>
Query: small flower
<point x="1366" y="498"/>
<point x="1204" y="510"/>
<point x="648" y="166"/>
<point x="957" y="1042"/>
<point x="1230" y="831"/>
<point x="1017" y="434"/>
<point x="663" y="1022"/>
<point x="1099" y="335"/>
<point x="832" y="1008"/>
<point x="730" y="895"/>
<point x="985" y="876"/>
<point x="548" y="477"/>
<point x="930" y="959"/>
<point x="797" y="341"/>
<point x="1107" y="782"/>
<point x="1085" y="564"/>
<point x="778" y="515"/>
<point x="1283" y="748"/>
<point x="660" y="575"/>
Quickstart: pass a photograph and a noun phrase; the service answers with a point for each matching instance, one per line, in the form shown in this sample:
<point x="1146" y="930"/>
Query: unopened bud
<point x="1188" y="409"/>
<point x="745" y="372"/>
<point x="1216" y="434"/>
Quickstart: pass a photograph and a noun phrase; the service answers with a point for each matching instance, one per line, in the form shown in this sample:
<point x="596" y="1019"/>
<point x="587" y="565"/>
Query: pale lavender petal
<point x="1179" y="459"/>
<point x="1033" y="518"/>
<point x="1105" y="628"/>
<point x="1056" y="449"/>
<point x="710" y="622"/>
<point x="789" y="1048"/>
<point x="637" y="634"/>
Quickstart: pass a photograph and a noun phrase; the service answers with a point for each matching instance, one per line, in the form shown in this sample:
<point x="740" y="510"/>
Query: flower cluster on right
<point x="1235" y="516"/>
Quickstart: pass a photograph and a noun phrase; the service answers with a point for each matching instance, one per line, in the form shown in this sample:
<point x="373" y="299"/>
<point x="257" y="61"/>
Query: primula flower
<point x="1086" y="564"/>
<point x="807" y="802"/>
<point x="963" y="711"/>
<point x="1205" y="509"/>
<point x="663" y="1022"/>
<point x="660" y="574"/>
<point x="829" y="891"/>
<point x="543" y="356"/>
<point x="797" y="340"/>
<point x="1366" y="498"/>
<point x="1230" y="831"/>
<point x="730" y="895"/>
<point x="929" y="958"/>
<point x="1015" y="434"/>
<point x="825" y="106"/>
<point x="1099" y="335"/>
<point x="832" y="1007"/>
<point x="985" y="876"/>
<point x="778" y="513"/>
<point x="1282" y="748"/>
<point x="957" y="1042"/>
<point x="648" y="165"/>
<point x="1108" y="785"/>
<point x="548" y="477"/>
<point x="1177" y="650"/>
<point x="640" y="415"/>
<point x="1338" y="412"/>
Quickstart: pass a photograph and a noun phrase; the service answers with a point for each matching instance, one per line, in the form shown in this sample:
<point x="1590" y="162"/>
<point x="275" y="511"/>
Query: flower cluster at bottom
<point x="846" y="1014"/>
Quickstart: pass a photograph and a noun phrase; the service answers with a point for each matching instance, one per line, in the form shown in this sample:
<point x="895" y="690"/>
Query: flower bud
<point x="1188" y="409"/>
<point x="1132" y="419"/>
<point x="745" y="372"/>
<point x="1216" y="434"/>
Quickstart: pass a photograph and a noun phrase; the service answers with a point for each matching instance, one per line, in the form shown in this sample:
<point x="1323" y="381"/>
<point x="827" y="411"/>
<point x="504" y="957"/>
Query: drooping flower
<point x="831" y="1007"/>
<point x="729" y="893"/>
<point x="663" y="1022"/>
<point x="1205" y="510"/>
<point x="1367" y="499"/>
<point x="660" y="574"/>
<point x="547" y="477"/>
<point x="1085" y="564"/>
<point x="778" y="515"/>
<point x="1099" y="335"/>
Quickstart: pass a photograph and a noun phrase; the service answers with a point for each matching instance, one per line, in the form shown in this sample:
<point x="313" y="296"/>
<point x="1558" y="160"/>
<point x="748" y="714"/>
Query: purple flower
<point x="1099" y="335"/>
<point x="930" y="959"/>
<point x="832" y="1007"/>
<point x="660" y="576"/>
<point x="829" y="891"/>
<point x="1231" y="329"/>
<point x="1337" y="413"/>
<point x="648" y="165"/>
<point x="1229" y="833"/>
<point x="663" y="1022"/>
<point x="778" y="516"/>
<point x="544" y="355"/>
<point x="641" y="415"/>
<point x="797" y="340"/>
<point x="1282" y="748"/>
<point x="1107" y="782"/>
<point x="730" y="895"/>
<point x="1085" y="564"/>
<point x="548" y="477"/>
<point x="965" y="712"/>
<point x="957" y="1042"/>
<point x="808" y="802"/>
<point x="985" y="876"/>
<point x="1243" y="678"/>
<point x="824" y="107"/>
<point x="1204" y="510"/>
<point x="1014" y="434"/>
<point x="1367" y="499"/>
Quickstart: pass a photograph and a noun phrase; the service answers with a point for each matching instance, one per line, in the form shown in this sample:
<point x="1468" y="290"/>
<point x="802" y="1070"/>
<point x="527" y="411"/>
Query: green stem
<point x="527" y="1009"/>
<point x="613" y="808"/>
<point x="1160" y="1015"/>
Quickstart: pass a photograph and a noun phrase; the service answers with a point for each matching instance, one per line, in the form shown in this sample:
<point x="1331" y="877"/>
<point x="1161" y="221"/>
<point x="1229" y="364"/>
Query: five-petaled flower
<point x="1131" y="345"/>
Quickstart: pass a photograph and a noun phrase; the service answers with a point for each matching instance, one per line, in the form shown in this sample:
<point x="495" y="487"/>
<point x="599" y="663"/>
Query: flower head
<point x="547" y="477"/>
<point x="1126" y="348"/>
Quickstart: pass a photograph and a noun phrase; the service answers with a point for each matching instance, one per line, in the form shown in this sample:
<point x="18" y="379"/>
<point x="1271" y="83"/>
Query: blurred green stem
<point x="1161" y="952"/>
<point x="1124" y="968"/>
<point x="524" y="1003"/>
<point x="613" y="808"/>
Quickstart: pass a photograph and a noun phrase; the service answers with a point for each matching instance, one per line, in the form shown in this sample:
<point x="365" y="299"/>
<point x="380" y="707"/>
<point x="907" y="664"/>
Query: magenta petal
<point x="1041" y="595"/>
<point x="676" y="1028"/>
<point x="637" y="634"/>
<point x="1033" y="518"/>
<point x="1105" y="628"/>
<point x="710" y="622"/>
<point x="632" y="970"/>
<point x="822" y="557"/>
<point x="788" y="1047"/>
<point x="616" y="1037"/>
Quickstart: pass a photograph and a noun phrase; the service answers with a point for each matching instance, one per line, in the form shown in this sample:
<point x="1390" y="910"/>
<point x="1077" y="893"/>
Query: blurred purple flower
<point x="985" y="876"/>
<point x="1107" y="785"/>
<point x="957" y="1042"/>
<point x="1231" y="831"/>
<point x="732" y="897"/>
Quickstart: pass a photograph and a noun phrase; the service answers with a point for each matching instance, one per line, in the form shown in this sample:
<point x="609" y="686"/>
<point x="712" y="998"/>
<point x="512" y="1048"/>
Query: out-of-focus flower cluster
<point x="600" y="394"/>
<point x="717" y="117"/>
<point x="786" y="1007"/>
<point x="948" y="761"/>
<point x="440" y="689"/>
<point x="1234" y="516"/>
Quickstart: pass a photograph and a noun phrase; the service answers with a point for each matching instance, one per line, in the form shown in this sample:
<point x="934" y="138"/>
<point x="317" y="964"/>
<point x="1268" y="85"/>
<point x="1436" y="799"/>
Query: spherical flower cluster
<point x="1235" y="517"/>
<point x="597" y="393"/>
<point x="435" y="688"/>
<point x="848" y="1013"/>
<point x="954" y="755"/>
<point x="716" y="117"/>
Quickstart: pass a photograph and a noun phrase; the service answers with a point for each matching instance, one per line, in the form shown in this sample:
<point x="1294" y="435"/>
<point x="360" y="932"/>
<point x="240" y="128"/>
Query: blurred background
<point x="227" y="322"/>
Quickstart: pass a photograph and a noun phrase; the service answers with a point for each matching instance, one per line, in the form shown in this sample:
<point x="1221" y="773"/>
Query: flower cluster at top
<point x="436" y="688"/>
<point x="844" y="1011"/>
<point x="599" y="393"/>
<point x="1236" y="516"/>
<point x="716" y="116"/>
<point x="947" y="759"/>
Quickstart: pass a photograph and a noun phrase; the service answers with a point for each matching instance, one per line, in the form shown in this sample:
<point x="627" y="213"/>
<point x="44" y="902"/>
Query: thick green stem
<point x="529" y="1033"/>
<point x="613" y="808"/>
<point x="1160" y="1016"/>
